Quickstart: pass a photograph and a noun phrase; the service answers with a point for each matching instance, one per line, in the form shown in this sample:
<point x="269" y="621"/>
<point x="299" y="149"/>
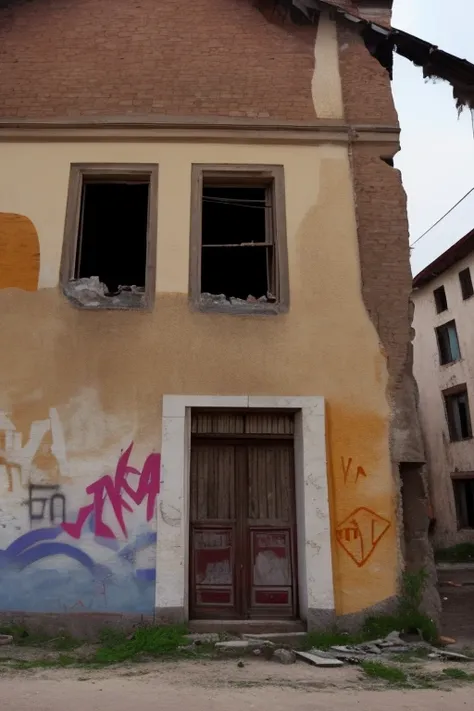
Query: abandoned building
<point x="207" y="402"/>
<point x="443" y="364"/>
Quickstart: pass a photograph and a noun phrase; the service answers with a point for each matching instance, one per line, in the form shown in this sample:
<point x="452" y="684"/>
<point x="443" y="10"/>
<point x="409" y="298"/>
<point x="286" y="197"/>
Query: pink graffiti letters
<point x="112" y="490"/>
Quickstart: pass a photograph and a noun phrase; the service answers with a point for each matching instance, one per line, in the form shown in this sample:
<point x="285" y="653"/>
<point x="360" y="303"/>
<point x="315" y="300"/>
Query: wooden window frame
<point x="438" y="298"/>
<point x="79" y="173"/>
<point x="461" y="510"/>
<point x="440" y="331"/>
<point x="465" y="282"/>
<point x="448" y="395"/>
<point x="251" y="175"/>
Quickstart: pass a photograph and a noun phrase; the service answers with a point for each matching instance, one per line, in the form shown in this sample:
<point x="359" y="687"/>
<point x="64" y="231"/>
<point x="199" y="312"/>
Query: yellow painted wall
<point x="98" y="377"/>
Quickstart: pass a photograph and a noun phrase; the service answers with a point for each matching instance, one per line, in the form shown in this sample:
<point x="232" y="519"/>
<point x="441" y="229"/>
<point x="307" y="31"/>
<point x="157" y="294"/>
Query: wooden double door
<point x="242" y="529"/>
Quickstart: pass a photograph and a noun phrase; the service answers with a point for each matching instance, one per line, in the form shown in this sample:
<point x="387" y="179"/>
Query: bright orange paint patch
<point x="19" y="253"/>
<point x="364" y="530"/>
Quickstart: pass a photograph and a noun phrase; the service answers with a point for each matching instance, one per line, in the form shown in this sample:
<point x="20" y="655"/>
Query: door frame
<point x="314" y="558"/>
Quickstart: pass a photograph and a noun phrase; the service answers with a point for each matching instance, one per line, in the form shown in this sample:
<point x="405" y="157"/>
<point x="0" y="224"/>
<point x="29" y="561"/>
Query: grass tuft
<point x="146" y="641"/>
<point x="377" y="670"/>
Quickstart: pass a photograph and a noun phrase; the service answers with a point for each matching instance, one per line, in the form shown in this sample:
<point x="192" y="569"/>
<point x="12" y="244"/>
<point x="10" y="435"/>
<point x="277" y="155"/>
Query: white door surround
<point x="315" y="577"/>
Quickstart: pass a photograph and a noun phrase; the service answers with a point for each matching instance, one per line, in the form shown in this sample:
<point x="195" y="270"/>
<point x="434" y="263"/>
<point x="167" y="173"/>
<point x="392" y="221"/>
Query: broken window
<point x="110" y="236"/>
<point x="448" y="343"/>
<point x="465" y="280"/>
<point x="440" y="299"/>
<point x="238" y="239"/>
<point x="464" y="498"/>
<point x="458" y="414"/>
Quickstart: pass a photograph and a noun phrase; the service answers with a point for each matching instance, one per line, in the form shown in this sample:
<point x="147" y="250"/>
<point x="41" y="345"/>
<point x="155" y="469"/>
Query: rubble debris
<point x="6" y="639"/>
<point x="240" y="644"/>
<point x="293" y="639"/>
<point x="450" y="656"/>
<point x="319" y="658"/>
<point x="203" y="637"/>
<point x="207" y="299"/>
<point x="90" y="292"/>
<point x="284" y="656"/>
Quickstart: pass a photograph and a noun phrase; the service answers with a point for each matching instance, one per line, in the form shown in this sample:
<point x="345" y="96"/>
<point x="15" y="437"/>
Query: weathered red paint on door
<point x="242" y="520"/>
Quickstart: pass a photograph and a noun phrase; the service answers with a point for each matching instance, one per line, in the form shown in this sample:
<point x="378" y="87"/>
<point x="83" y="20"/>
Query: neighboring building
<point x="444" y="370"/>
<point x="207" y="399"/>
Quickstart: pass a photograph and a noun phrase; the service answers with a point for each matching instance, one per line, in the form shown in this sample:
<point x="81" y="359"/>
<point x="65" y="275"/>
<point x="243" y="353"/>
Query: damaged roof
<point x="461" y="249"/>
<point x="382" y="41"/>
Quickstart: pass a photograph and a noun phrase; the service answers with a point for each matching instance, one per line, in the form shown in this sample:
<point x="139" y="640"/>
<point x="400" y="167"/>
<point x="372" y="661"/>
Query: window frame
<point x="448" y="396"/>
<point x="251" y="174"/>
<point x="438" y="330"/>
<point x="436" y="292"/>
<point x="110" y="172"/>
<point x="461" y="506"/>
<point x="463" y="284"/>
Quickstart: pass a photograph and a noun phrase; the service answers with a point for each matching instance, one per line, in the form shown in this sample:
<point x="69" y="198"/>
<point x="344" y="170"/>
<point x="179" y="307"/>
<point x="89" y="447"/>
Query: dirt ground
<point x="213" y="686"/>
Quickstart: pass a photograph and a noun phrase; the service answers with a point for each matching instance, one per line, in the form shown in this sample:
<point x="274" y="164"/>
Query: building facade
<point x="444" y="367"/>
<point x="207" y="397"/>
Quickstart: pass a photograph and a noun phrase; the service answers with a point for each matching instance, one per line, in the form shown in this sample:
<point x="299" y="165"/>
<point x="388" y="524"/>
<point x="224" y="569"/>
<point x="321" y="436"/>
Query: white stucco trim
<point x="315" y="575"/>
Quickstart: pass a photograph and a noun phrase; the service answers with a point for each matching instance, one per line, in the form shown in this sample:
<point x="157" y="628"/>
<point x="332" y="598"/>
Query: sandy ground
<point x="214" y="686"/>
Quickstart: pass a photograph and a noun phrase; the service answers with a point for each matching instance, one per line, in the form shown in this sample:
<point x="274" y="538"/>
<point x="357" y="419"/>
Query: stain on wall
<point x="19" y="252"/>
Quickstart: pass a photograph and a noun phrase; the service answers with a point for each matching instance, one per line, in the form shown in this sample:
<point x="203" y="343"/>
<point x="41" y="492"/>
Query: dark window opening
<point x="458" y="415"/>
<point x="237" y="258"/>
<point x="464" y="499"/>
<point x="448" y="343"/>
<point x="112" y="242"/>
<point x="440" y="299"/>
<point x="465" y="280"/>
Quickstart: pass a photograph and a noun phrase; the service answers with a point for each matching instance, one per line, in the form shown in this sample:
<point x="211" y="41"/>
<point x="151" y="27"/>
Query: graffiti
<point x="351" y="474"/>
<point x="41" y="572"/>
<point x="39" y="459"/>
<point x="35" y="545"/>
<point x="360" y="533"/>
<point x="113" y="490"/>
<point x="37" y="504"/>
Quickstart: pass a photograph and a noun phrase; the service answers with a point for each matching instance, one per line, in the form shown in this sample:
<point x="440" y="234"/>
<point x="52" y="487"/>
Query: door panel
<point x="242" y="561"/>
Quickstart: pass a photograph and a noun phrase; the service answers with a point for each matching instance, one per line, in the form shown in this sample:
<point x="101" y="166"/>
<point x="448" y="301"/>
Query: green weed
<point x="460" y="674"/>
<point x="377" y="670"/>
<point x="146" y="641"/>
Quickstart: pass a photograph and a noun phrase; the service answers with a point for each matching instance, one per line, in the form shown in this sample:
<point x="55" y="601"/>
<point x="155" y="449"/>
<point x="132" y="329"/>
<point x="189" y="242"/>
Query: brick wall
<point x="383" y="232"/>
<point x="114" y="57"/>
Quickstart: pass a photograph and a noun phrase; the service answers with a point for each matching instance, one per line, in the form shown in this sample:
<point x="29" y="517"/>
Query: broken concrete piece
<point x="294" y="639"/>
<point x="450" y="656"/>
<point x="207" y="298"/>
<point x="90" y="292"/>
<point x="203" y="638"/>
<point x="284" y="656"/>
<point x="316" y="658"/>
<point x="235" y="644"/>
<point x="6" y="639"/>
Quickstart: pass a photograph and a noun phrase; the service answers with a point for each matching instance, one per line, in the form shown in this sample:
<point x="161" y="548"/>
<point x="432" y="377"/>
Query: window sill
<point x="464" y="439"/>
<point x="240" y="307"/>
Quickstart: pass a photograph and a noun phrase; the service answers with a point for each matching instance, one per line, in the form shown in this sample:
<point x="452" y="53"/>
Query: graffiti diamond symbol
<point x="360" y="533"/>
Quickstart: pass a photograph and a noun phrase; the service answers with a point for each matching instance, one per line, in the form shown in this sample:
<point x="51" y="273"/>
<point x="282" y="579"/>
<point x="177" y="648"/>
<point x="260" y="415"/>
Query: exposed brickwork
<point x="115" y="57"/>
<point x="384" y="252"/>
<point x="366" y="88"/>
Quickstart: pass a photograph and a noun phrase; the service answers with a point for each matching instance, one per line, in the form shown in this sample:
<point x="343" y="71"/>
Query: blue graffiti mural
<point x="41" y="572"/>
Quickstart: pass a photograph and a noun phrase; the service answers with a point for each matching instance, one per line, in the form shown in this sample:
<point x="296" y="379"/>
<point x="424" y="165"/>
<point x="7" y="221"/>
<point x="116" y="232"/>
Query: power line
<point x="442" y="218"/>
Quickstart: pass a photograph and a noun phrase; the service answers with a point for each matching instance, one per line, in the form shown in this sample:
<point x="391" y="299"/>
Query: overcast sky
<point x="437" y="156"/>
